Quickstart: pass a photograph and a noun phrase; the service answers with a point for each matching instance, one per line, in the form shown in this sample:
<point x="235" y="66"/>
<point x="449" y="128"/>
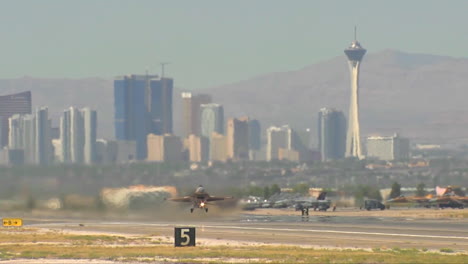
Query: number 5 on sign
<point x="184" y="236"/>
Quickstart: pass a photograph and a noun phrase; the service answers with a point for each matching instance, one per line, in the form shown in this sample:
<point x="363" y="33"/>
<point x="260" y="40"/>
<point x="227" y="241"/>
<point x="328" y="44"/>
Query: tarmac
<point x="325" y="231"/>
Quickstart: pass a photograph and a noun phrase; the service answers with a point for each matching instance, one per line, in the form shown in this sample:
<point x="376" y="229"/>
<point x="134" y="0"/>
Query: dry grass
<point x="19" y="244"/>
<point x="218" y="254"/>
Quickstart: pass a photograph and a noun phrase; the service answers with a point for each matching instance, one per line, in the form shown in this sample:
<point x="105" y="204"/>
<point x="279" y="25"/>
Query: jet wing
<point x="181" y="199"/>
<point x="422" y="200"/>
<point x="217" y="198"/>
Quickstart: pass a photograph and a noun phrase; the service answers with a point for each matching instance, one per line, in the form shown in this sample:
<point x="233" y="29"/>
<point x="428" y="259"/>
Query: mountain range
<point x="420" y="96"/>
<point x="417" y="95"/>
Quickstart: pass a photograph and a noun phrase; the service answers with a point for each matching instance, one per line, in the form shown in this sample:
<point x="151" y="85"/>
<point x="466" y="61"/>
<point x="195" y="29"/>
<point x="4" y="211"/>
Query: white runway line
<point x="335" y="232"/>
<point x="260" y="229"/>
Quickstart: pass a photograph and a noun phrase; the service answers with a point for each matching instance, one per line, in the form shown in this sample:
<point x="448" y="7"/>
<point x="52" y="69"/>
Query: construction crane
<point x="163" y="64"/>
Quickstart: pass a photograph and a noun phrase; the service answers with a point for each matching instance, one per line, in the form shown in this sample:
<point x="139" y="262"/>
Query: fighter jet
<point x="447" y="198"/>
<point x="199" y="199"/>
<point x="320" y="202"/>
<point x="421" y="200"/>
<point x="450" y="201"/>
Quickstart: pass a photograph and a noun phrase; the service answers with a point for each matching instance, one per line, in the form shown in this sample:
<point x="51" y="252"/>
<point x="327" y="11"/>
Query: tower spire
<point x="355" y="33"/>
<point x="353" y="140"/>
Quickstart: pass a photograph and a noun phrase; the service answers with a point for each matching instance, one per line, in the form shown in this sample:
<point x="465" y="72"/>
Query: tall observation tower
<point x="353" y="142"/>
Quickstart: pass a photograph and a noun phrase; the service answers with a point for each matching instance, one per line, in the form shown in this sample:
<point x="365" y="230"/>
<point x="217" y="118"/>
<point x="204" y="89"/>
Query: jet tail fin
<point x="322" y="196"/>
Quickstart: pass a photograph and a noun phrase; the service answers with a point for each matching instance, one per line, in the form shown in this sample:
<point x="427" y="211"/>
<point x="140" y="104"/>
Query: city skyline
<point x="303" y="50"/>
<point x="143" y="106"/>
<point x="317" y="84"/>
<point x="78" y="142"/>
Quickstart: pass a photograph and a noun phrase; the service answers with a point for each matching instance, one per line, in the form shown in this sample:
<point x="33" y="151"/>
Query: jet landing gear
<point x="191" y="210"/>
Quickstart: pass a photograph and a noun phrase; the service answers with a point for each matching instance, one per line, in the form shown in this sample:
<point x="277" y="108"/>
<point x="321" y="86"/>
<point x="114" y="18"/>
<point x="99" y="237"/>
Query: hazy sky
<point x="213" y="42"/>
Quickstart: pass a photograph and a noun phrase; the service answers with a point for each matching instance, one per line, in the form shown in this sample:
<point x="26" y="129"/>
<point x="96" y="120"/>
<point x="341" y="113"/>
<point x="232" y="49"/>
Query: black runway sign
<point x="184" y="236"/>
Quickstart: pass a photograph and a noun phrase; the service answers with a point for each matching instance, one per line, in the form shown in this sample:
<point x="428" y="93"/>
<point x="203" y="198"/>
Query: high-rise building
<point x="143" y="105"/>
<point x="167" y="112"/>
<point x="237" y="138"/>
<point x="1" y="131"/>
<point x="388" y="148"/>
<point x="355" y="53"/>
<point x="278" y="137"/>
<point x="90" y="131"/>
<point x="55" y="132"/>
<point x="78" y="135"/>
<point x="29" y="134"/>
<point x="155" y="147"/>
<point x="106" y="151"/>
<point x="191" y="112"/>
<point x="288" y="154"/>
<point x="43" y="141"/>
<point x="255" y="135"/>
<point x="164" y="148"/>
<point x="218" y="151"/>
<point x="65" y="137"/>
<point x="19" y="103"/>
<point x="72" y="136"/>
<point x="331" y="134"/>
<point x="198" y="148"/>
<point x="22" y="135"/>
<point x="304" y="137"/>
<point x="161" y="105"/>
<point x="131" y="113"/>
<point x="212" y="119"/>
<point x="125" y="150"/>
<point x="11" y="157"/>
<point x="15" y="137"/>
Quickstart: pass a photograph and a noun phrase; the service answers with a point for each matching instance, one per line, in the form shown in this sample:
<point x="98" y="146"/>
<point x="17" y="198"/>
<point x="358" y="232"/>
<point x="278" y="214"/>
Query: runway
<point x="314" y="231"/>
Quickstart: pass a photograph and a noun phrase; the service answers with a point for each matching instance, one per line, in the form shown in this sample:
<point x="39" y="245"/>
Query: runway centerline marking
<point x="335" y="232"/>
<point x="265" y="229"/>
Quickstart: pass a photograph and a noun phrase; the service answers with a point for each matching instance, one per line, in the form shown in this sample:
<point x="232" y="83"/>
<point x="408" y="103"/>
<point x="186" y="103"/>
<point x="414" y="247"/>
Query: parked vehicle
<point x="370" y="204"/>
